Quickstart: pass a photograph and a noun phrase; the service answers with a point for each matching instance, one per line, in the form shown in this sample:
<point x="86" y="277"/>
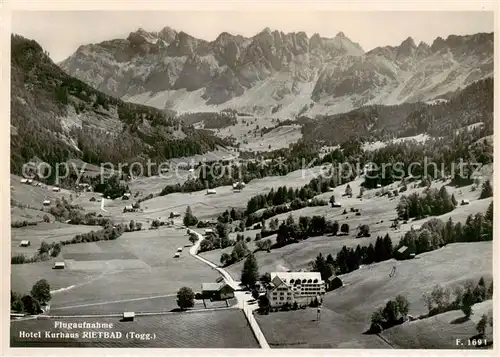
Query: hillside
<point x="278" y="74"/>
<point x="55" y="117"/>
<point x="464" y="108"/>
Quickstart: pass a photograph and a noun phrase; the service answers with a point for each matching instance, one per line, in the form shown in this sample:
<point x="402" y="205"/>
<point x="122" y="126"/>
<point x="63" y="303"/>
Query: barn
<point x="334" y="282"/>
<point x="59" y="265"/>
<point x="217" y="291"/>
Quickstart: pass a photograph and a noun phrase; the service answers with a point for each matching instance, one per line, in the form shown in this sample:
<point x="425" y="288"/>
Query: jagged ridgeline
<point x="56" y="117"/>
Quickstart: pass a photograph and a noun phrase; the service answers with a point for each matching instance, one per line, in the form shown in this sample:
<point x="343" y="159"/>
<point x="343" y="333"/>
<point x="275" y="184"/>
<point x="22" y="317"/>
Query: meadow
<point x="208" y="329"/>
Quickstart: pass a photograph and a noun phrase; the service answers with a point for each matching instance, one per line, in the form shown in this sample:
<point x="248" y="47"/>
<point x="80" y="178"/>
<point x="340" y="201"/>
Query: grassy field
<point x="300" y="329"/>
<point x="373" y="210"/>
<point x="205" y="206"/>
<point x="136" y="265"/>
<point x="440" y="331"/>
<point x="209" y="329"/>
<point x="48" y="232"/>
<point x="346" y="311"/>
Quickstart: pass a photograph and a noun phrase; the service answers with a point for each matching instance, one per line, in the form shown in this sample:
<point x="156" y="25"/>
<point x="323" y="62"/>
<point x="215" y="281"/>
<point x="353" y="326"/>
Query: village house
<point x="290" y="287"/>
<point x="217" y="291"/>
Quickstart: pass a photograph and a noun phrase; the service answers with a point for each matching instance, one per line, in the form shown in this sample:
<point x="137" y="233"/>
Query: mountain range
<point x="277" y="74"/>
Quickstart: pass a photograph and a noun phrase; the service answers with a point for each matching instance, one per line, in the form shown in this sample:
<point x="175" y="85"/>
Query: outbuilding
<point x="211" y="192"/>
<point x="177" y="255"/>
<point x="334" y="282"/>
<point x="56" y="189"/>
<point x="59" y="265"/>
<point x="128" y="316"/>
<point x="46" y="203"/>
<point x="217" y="291"/>
<point x="25" y="243"/>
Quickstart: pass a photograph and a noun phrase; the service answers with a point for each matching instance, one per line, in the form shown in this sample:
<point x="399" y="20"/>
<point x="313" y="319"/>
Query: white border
<point x="5" y="21"/>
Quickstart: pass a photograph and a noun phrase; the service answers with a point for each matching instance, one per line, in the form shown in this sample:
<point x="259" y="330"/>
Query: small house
<point x="56" y="189"/>
<point x="379" y="185"/>
<point x="177" y="255"/>
<point x="30" y="181"/>
<point x="179" y="249"/>
<point x="25" y="243"/>
<point x="211" y="192"/>
<point x="24" y="180"/>
<point x="175" y="214"/>
<point x="209" y="231"/>
<point x="336" y="204"/>
<point x="128" y="316"/>
<point x="403" y="253"/>
<point x="59" y="265"/>
<point x="128" y="208"/>
<point x="257" y="226"/>
<point x="465" y="202"/>
<point x="331" y="189"/>
<point x="46" y="202"/>
<point x="217" y="291"/>
<point x="334" y="282"/>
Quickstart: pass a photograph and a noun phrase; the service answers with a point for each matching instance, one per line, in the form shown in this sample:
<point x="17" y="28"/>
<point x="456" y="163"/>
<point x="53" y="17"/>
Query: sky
<point x="62" y="32"/>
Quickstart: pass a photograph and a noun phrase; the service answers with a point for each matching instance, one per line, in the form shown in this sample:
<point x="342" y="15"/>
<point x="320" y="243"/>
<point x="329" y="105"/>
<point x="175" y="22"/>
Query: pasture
<point x="440" y="331"/>
<point x="33" y="196"/>
<point x="136" y="265"/>
<point x="207" y="206"/>
<point x="48" y="232"/>
<point x="374" y="209"/>
<point x="346" y="312"/>
<point x="208" y="329"/>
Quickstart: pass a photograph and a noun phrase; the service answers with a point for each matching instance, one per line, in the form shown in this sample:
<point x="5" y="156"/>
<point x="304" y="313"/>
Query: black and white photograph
<point x="250" y="179"/>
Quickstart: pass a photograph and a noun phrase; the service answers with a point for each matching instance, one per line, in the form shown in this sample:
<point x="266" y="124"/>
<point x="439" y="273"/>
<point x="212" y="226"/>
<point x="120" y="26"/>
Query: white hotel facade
<point x="290" y="287"/>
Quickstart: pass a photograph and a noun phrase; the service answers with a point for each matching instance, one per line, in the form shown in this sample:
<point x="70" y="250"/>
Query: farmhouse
<point x="46" y="203"/>
<point x="334" y="282"/>
<point x="59" y="265"/>
<point x="404" y="253"/>
<point x="217" y="291"/>
<point x="290" y="287"/>
<point x="211" y="192"/>
<point x="25" y="243"/>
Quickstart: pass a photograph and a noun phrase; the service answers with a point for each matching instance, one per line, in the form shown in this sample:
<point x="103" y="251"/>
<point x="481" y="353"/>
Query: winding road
<point x="241" y="296"/>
